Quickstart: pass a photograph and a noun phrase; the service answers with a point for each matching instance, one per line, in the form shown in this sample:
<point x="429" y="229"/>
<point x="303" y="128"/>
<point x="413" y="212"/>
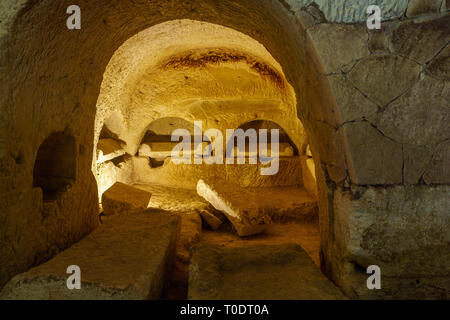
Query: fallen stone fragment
<point x="258" y="272"/>
<point x="126" y="258"/>
<point x="250" y="210"/>
<point x="123" y="198"/>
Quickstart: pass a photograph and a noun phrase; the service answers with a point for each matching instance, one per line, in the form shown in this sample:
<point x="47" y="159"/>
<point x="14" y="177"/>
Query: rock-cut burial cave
<point x="224" y="150"/>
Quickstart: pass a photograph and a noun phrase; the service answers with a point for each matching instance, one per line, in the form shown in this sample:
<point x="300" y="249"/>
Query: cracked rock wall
<point x="392" y="93"/>
<point x="388" y="86"/>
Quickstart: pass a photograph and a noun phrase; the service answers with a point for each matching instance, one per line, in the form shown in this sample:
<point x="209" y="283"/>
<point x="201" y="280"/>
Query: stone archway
<point x="54" y="88"/>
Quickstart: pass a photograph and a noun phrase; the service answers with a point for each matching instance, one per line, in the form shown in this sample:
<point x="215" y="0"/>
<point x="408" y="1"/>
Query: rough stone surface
<point x="117" y="170"/>
<point x="384" y="77"/>
<point x="343" y="11"/>
<point x="379" y="160"/>
<point x="127" y="258"/>
<point x="310" y="16"/>
<point x="211" y="220"/>
<point x="246" y="175"/>
<point x="439" y="168"/>
<point x="419" y="7"/>
<point x="416" y="161"/>
<point x="250" y="210"/>
<point x="421" y="116"/>
<point x="351" y="103"/>
<point x="432" y="35"/>
<point x="191" y="229"/>
<point x="122" y="198"/>
<point x="339" y="45"/>
<point x="304" y="234"/>
<point x="257" y="272"/>
<point x="379" y="39"/>
<point x="309" y="176"/>
<point x="108" y="149"/>
<point x="403" y="230"/>
<point x="174" y="199"/>
<point x="55" y="87"/>
<point x="440" y="66"/>
<point x="62" y="90"/>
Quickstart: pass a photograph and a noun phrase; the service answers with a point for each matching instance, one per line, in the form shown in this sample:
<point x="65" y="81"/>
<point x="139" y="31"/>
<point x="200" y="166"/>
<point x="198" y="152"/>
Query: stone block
<point x="338" y="45"/>
<point x="352" y="104"/>
<point x="420" y="7"/>
<point x="373" y="157"/>
<point x="421" y="116"/>
<point x="421" y="40"/>
<point x="108" y="149"/>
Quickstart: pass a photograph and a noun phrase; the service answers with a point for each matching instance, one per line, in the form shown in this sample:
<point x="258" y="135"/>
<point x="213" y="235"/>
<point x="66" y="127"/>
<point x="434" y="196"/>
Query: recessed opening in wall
<point x="286" y="147"/>
<point x="55" y="165"/>
<point x="157" y="142"/>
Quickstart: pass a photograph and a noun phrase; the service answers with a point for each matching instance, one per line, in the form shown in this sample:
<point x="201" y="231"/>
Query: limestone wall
<point x="393" y="106"/>
<point x="374" y="105"/>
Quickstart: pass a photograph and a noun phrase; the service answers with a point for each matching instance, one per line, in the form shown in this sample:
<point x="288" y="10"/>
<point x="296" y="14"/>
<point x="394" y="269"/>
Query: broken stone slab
<point x="126" y="258"/>
<point x="282" y="150"/>
<point x="258" y="272"/>
<point x="250" y="210"/>
<point x="191" y="229"/>
<point x="156" y="150"/>
<point x="163" y="150"/>
<point x="123" y="198"/>
<point x="211" y="220"/>
<point x="108" y="149"/>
